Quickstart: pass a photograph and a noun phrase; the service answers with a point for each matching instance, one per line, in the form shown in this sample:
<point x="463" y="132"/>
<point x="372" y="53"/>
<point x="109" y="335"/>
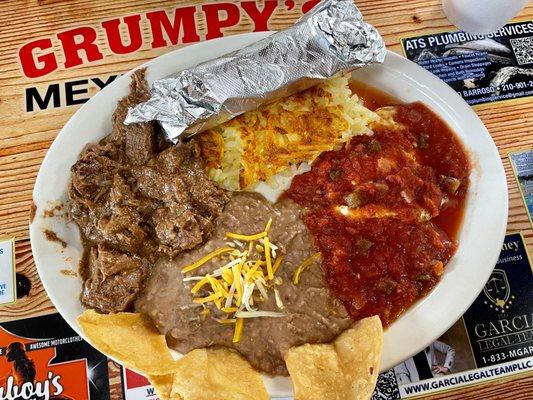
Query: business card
<point x="8" y="291"/>
<point x="493" y="340"/>
<point x="43" y="358"/>
<point x="480" y="68"/>
<point x="500" y="321"/>
<point x="136" y="386"/>
<point x="522" y="163"/>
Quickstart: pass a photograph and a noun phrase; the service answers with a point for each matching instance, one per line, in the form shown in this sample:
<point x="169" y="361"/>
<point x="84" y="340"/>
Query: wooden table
<point x="25" y="137"/>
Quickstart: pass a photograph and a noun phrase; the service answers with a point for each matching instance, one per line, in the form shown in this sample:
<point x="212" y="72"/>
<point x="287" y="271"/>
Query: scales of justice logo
<point x="498" y="291"/>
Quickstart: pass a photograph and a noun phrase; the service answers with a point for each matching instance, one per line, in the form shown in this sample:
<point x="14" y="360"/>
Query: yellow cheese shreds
<point x="215" y="285"/>
<point x="277" y="263"/>
<point x="269" y="223"/>
<point x="306" y="263"/>
<point x="246" y="237"/>
<point x="227" y="321"/>
<point x="231" y="287"/>
<point x="238" y="284"/>
<point x="250" y="246"/>
<point x="209" y="298"/>
<point x="227" y="275"/>
<point x="270" y="272"/>
<point x="237" y="333"/>
<point x="277" y="297"/>
<point x="250" y="273"/>
<point x="199" y="285"/>
<point x="206" y="258"/>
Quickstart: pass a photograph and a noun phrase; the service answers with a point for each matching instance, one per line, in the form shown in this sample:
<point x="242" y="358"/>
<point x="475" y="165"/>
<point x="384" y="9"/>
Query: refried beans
<point x="313" y="315"/>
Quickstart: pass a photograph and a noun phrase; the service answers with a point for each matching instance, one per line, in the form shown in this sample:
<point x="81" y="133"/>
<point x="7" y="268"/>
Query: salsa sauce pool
<point x="385" y="210"/>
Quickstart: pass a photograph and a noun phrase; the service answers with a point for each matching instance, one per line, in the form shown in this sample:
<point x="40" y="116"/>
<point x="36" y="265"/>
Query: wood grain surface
<point x="25" y="137"/>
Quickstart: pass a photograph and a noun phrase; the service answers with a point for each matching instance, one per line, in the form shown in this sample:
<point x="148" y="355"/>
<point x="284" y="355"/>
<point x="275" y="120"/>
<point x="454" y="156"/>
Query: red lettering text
<point x="72" y="47"/>
<point x="215" y="22"/>
<point x="183" y="17"/>
<point x="260" y="18"/>
<point x="29" y="62"/>
<point x="114" y="38"/>
<point x="308" y="5"/>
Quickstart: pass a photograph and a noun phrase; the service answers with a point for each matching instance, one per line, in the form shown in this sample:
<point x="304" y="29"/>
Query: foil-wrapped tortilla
<point x="330" y="39"/>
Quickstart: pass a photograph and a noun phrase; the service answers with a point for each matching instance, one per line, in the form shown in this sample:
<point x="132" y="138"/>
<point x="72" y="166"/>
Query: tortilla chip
<point x="215" y="374"/>
<point x="130" y="338"/>
<point x="162" y="385"/>
<point x="346" y="369"/>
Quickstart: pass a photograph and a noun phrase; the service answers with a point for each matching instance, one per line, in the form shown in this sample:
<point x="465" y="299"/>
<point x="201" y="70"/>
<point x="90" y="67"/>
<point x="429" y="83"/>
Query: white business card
<point x="8" y="292"/>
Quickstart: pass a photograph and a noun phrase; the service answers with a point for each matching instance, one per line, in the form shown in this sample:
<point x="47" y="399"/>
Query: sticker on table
<point x="136" y="386"/>
<point x="8" y="292"/>
<point x="500" y="321"/>
<point x="46" y="359"/>
<point x="481" y="68"/>
<point x="493" y="340"/>
<point x="522" y="163"/>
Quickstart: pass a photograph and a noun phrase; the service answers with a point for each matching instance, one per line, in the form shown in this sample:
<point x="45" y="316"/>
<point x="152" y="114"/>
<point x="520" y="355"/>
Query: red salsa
<point x="384" y="210"/>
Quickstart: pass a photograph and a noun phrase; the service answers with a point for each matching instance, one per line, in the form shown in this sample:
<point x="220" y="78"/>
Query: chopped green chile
<point x="364" y="245"/>
<point x="387" y="285"/>
<point x="423" y="141"/>
<point x="450" y="184"/>
<point x="373" y="147"/>
<point x="335" y="174"/>
<point x="354" y="199"/>
<point x="423" y="277"/>
<point x="424" y="215"/>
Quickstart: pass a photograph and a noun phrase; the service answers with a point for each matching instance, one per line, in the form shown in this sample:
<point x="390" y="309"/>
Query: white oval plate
<point x="480" y="238"/>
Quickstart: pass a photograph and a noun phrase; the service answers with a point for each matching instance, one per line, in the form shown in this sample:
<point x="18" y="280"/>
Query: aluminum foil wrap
<point x="329" y="39"/>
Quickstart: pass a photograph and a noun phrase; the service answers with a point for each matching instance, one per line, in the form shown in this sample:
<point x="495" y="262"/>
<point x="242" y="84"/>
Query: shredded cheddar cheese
<point x="206" y="299"/>
<point x="239" y="325"/>
<point x="277" y="263"/>
<point x="267" y="257"/>
<point x="243" y="279"/>
<point x="226" y="321"/>
<point x="268" y="225"/>
<point x="199" y="285"/>
<point x="246" y="237"/>
<point x="208" y="257"/>
<point x="306" y="263"/>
